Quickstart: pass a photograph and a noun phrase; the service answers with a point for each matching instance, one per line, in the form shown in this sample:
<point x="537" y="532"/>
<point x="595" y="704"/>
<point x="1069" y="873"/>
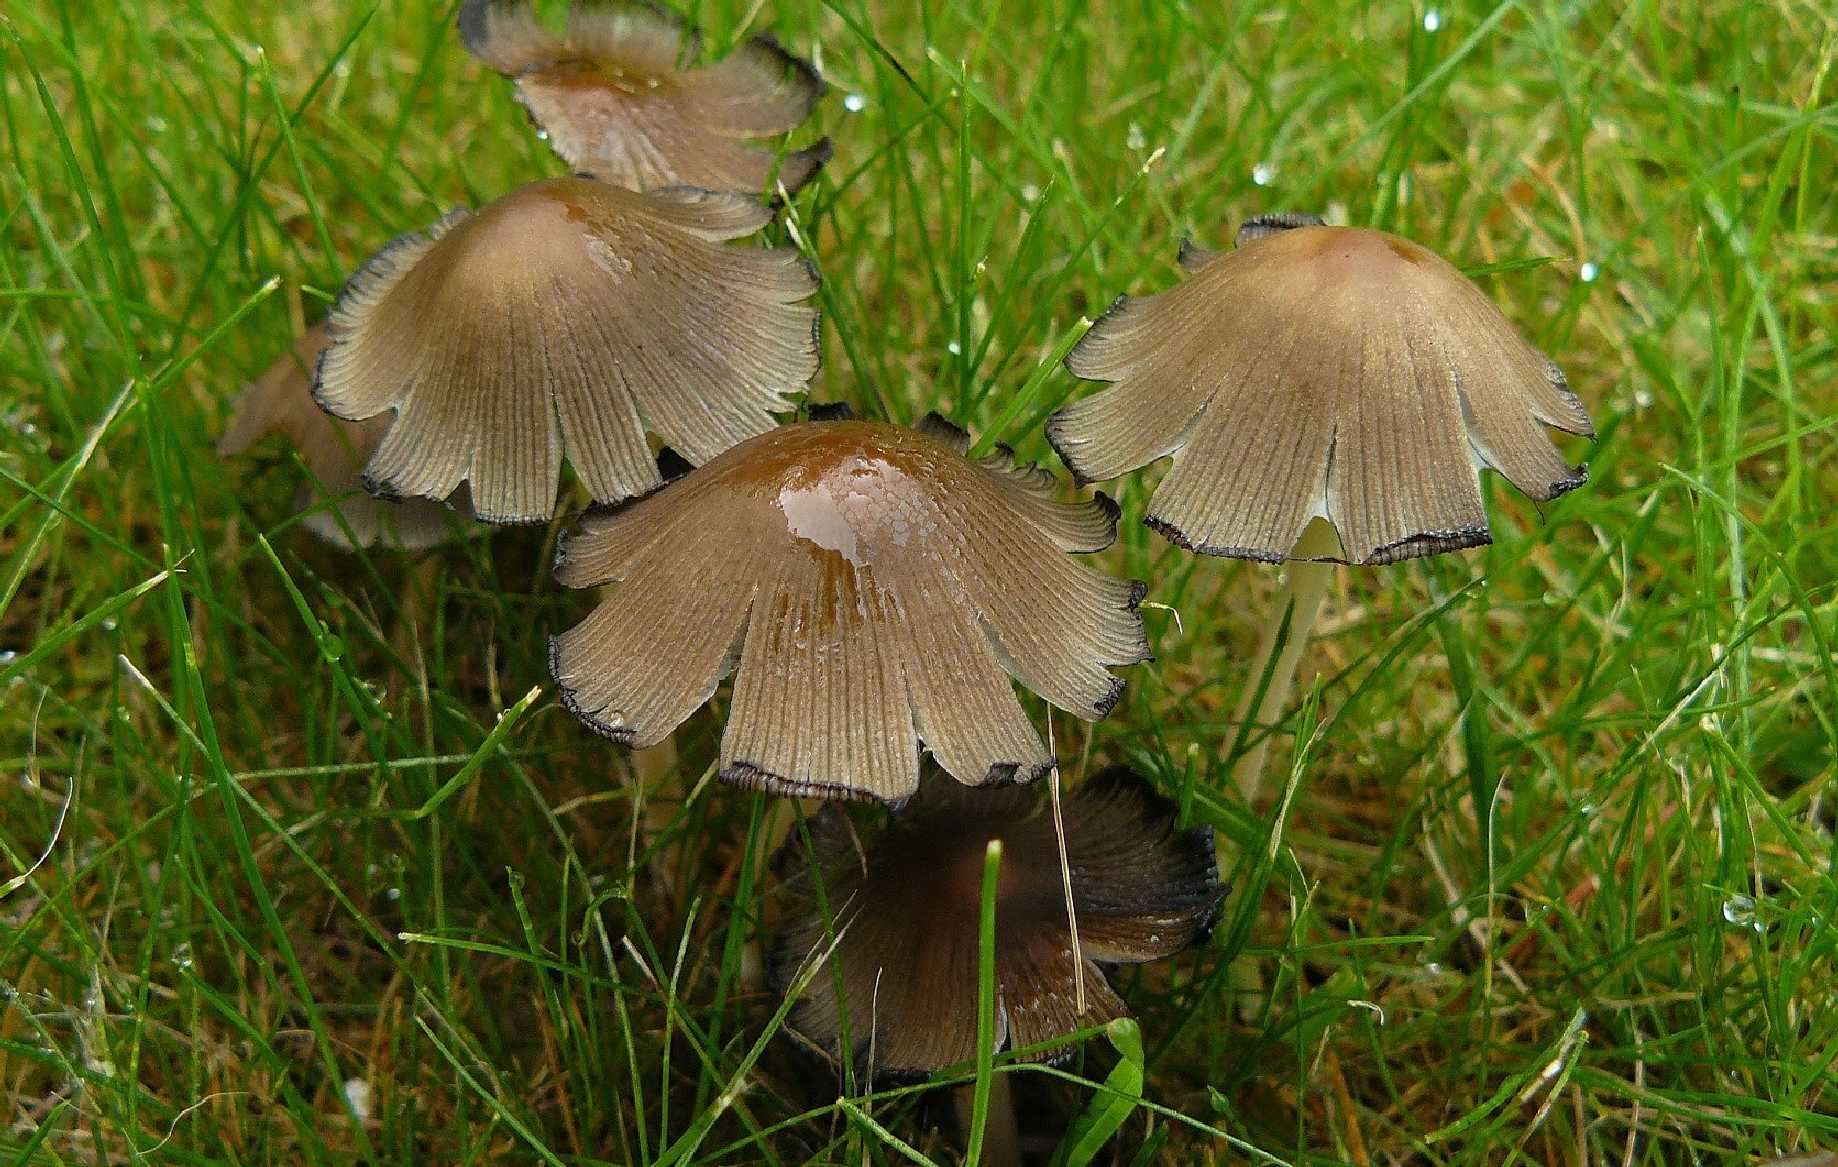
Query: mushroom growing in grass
<point x="871" y="587"/>
<point x="1327" y="394"/>
<point x="565" y="320"/>
<point x="618" y="97"/>
<point x="281" y="401"/>
<point x="904" y="907"/>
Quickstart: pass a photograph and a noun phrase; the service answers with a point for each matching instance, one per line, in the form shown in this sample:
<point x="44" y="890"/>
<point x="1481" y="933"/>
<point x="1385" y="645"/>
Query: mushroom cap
<point x="873" y="584"/>
<point x="281" y="401"/>
<point x="906" y="904"/>
<point x="568" y="317"/>
<point x="617" y="98"/>
<point x="1317" y="371"/>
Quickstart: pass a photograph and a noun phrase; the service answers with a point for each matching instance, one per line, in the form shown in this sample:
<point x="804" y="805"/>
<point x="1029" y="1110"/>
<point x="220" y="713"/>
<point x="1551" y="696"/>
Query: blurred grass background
<point x="1552" y="881"/>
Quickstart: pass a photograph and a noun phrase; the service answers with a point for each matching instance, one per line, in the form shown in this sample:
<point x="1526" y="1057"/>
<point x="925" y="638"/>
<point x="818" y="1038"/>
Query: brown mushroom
<point x="281" y="401"/>
<point x="618" y="98"/>
<point x="905" y="904"/>
<point x="1316" y="371"/>
<point x="566" y="319"/>
<point x="1327" y="394"/>
<point x="873" y="584"/>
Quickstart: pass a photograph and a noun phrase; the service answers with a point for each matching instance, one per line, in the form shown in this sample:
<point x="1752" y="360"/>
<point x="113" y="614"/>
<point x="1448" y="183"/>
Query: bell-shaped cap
<point x="619" y="98"/>
<point x="905" y="905"/>
<point x="281" y="401"/>
<point x="567" y="319"/>
<point x="876" y="587"/>
<point x="1317" y="371"/>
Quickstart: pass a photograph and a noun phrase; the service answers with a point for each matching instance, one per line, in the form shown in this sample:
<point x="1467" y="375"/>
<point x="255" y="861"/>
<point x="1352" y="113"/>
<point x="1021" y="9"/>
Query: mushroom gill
<point x="618" y="98"/>
<point x="1317" y="371"/>
<point x="905" y="905"/>
<point x="281" y="401"/>
<point x="871" y="587"/>
<point x="566" y="319"/>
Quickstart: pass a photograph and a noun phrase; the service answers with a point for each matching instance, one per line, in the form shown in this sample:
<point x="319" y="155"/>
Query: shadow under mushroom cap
<point x="876" y="588"/>
<point x="906" y="903"/>
<point x="1319" y="371"/>
<point x="568" y="317"/>
<point x="281" y="401"/>
<point x="617" y="98"/>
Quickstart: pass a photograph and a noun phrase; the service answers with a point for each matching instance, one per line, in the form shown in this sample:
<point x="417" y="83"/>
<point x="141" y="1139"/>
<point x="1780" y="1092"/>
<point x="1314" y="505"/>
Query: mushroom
<point x="281" y="401"/>
<point x="873" y="583"/>
<point x="567" y="318"/>
<point x="1318" y="377"/>
<point x="904" y="908"/>
<point x="616" y="97"/>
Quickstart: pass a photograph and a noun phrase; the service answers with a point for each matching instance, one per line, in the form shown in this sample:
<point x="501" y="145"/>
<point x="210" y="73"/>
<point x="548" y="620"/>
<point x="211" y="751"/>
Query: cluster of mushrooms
<point x="1326" y="395"/>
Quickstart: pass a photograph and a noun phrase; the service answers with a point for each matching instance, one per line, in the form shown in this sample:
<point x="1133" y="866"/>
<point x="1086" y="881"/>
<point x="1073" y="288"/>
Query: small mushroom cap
<point x="567" y="318"/>
<point x="617" y="99"/>
<point x="281" y="401"/>
<point x="1316" y="371"/>
<point x="906" y="905"/>
<point x="873" y="584"/>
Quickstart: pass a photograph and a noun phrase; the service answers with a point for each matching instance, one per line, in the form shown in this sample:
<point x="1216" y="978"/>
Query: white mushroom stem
<point x="652" y="772"/>
<point x="1300" y="595"/>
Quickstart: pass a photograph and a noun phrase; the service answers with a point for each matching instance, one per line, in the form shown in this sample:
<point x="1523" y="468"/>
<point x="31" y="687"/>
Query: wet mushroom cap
<point x="871" y="587"/>
<point x="617" y="98"/>
<point x="567" y="319"/>
<point x="281" y="401"/>
<point x="906" y="904"/>
<point x="1317" y="371"/>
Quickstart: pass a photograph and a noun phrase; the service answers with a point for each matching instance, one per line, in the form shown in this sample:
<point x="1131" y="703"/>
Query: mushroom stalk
<point x="1002" y="1132"/>
<point x="652" y="771"/>
<point x="1300" y="596"/>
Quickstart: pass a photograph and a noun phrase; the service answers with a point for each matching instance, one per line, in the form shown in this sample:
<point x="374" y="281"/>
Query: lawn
<point x="302" y="861"/>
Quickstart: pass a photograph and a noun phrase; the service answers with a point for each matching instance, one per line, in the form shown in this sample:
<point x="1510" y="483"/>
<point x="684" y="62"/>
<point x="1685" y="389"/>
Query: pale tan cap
<point x="871" y="587"/>
<point x="618" y="96"/>
<point x="565" y="320"/>
<point x="1320" y="371"/>
<point x="281" y="401"/>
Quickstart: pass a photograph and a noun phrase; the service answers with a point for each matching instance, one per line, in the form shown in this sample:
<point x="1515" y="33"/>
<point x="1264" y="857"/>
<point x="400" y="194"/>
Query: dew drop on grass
<point x="955" y="349"/>
<point x="1432" y="20"/>
<point x="1739" y="910"/>
<point x="854" y="103"/>
<point x="1264" y="173"/>
<point x="1588" y="272"/>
